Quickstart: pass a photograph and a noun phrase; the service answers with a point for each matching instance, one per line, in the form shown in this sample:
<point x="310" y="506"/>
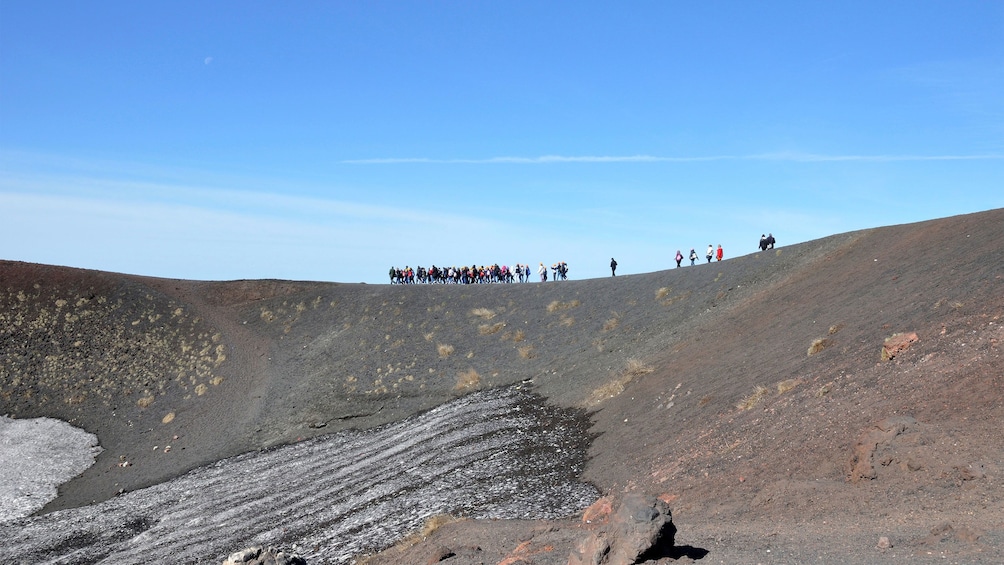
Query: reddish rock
<point x="668" y="498"/>
<point x="599" y="512"/>
<point x="862" y="461"/>
<point x="641" y="525"/>
<point x="897" y="343"/>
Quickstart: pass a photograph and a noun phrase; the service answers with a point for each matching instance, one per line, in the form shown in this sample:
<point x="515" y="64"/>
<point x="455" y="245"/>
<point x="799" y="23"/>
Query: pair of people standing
<point x="712" y="252"/>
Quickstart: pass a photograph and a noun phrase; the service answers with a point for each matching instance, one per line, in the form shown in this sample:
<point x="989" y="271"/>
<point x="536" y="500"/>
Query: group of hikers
<point x="766" y="242"/>
<point x="503" y="274"/>
<point x="475" y="275"/>
<point x="711" y="253"/>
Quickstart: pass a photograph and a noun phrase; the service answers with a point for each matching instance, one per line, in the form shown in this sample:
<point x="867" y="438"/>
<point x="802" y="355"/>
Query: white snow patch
<point x="36" y="456"/>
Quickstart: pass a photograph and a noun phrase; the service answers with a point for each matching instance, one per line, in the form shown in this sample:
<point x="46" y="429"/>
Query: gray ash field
<point x="498" y="454"/>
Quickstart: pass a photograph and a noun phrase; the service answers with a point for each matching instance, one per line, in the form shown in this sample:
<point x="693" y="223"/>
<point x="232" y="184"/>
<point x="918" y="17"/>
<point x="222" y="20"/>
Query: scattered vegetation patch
<point x="483" y="313"/>
<point x="436" y="522"/>
<point x="608" y="390"/>
<point x="835" y="328"/>
<point x="819" y="345"/>
<point x="662" y="292"/>
<point x="467" y="380"/>
<point x="759" y="393"/>
<point x="113" y="346"/>
<point x="706" y="400"/>
<point x="824" y="390"/>
<point x="612" y="323"/>
<point x="787" y="385"/>
<point x="568" y="321"/>
<point x="445" y="350"/>
<point x="558" y="305"/>
<point x="527" y="352"/>
<point x="668" y="300"/>
<point x="488" y="329"/>
<point x="431" y="525"/>
<point x="636" y="367"/>
<point x="615" y="387"/>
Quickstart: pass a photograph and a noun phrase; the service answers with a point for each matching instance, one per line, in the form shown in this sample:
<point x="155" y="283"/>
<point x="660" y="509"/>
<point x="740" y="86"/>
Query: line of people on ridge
<point x="475" y="275"/>
<point x="711" y="253"/>
<point x="767" y="241"/>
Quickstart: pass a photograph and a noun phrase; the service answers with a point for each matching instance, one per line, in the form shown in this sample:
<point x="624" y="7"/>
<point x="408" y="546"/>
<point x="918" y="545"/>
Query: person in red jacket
<point x="719" y="253"/>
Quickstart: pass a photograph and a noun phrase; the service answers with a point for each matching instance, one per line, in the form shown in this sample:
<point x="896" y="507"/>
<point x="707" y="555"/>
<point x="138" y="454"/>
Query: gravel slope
<point x="661" y="361"/>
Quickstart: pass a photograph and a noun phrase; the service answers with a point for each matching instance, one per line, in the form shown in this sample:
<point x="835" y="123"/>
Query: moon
<point x="208" y="60"/>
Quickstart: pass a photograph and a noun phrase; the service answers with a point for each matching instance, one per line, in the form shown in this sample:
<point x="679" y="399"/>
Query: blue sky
<point x="331" y="140"/>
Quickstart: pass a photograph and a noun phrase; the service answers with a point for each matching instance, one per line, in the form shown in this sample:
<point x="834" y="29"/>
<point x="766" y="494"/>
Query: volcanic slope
<point x="700" y="381"/>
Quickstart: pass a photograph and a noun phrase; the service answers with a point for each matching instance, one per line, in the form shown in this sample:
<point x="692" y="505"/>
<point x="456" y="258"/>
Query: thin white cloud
<point x="782" y="156"/>
<point x="115" y="192"/>
<point x="817" y="158"/>
<point x="542" y="159"/>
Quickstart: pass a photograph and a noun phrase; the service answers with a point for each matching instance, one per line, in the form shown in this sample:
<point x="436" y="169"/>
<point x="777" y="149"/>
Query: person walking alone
<point x="693" y="256"/>
<point x="613" y="267"/>
<point x="679" y="258"/>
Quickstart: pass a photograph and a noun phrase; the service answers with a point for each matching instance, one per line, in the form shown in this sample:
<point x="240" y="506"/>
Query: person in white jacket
<point x="542" y="271"/>
<point x="711" y="252"/>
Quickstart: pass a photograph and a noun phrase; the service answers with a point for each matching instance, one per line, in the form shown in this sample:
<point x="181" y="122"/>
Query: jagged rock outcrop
<point x="641" y="527"/>
<point x="897" y="343"/>
<point x="862" y="462"/>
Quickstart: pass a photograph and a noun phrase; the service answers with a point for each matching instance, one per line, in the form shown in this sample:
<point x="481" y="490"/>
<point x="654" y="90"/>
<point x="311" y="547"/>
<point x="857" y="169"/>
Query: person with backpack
<point x="679" y="258"/>
<point x="693" y="256"/>
<point x="711" y="252"/>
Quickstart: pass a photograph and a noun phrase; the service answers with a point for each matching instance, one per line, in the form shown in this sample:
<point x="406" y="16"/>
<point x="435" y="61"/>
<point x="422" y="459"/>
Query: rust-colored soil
<point x="753" y="394"/>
